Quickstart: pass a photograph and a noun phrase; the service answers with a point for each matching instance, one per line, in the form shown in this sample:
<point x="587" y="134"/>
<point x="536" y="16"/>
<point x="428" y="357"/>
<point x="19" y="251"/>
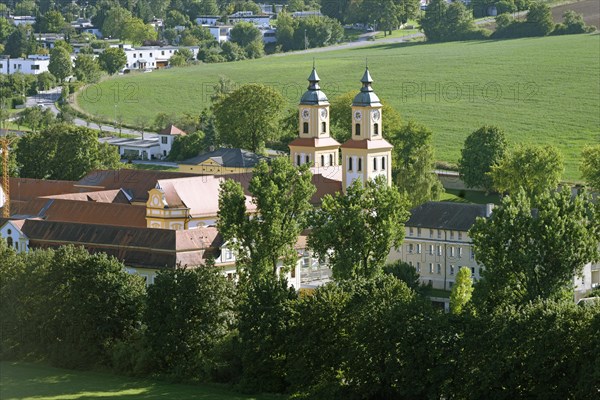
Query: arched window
<point x="306" y="159"/>
<point x="322" y="160"/>
<point x="350" y="163"/>
<point x="323" y="127"/>
<point x="375" y="129"/>
<point x="9" y="241"/>
<point x="331" y="159"/>
<point x="305" y="127"/>
<point x="357" y="129"/>
<point x="375" y="164"/>
<point x="298" y="160"/>
<point x="383" y="163"/>
<point x="359" y="164"/>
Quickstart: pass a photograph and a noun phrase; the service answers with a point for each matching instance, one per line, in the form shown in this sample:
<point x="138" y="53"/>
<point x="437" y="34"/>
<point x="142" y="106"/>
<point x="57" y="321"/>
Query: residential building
<point x="221" y="33"/>
<point x="222" y="162"/>
<point x="21" y="20"/>
<point x="437" y="242"/>
<point x="135" y="149"/>
<point x="306" y="14"/>
<point x="150" y="57"/>
<point x="84" y="25"/>
<point x="166" y="137"/>
<point x="207" y="20"/>
<point x="263" y="20"/>
<point x="32" y="65"/>
<point x="269" y="35"/>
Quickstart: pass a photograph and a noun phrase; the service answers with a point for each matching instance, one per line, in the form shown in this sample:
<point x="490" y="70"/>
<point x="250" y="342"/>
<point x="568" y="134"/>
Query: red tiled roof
<point x="102" y="196"/>
<point x="172" y="130"/>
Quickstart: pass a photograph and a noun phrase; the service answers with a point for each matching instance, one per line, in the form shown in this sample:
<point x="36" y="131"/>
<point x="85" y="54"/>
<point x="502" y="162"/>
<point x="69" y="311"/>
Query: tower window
<point x="375" y="129"/>
<point x="331" y="159"/>
<point x="383" y="163"/>
<point x="375" y="164"/>
<point x="323" y="127"/>
<point x="350" y="163"/>
<point x="322" y="160"/>
<point x="305" y="127"/>
<point x="306" y="159"/>
<point x="359" y="164"/>
<point x="298" y="160"/>
<point x="357" y="129"/>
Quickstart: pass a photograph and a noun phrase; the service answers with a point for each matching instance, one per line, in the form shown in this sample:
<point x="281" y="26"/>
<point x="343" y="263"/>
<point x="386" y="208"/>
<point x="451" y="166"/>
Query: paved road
<point x="47" y="99"/>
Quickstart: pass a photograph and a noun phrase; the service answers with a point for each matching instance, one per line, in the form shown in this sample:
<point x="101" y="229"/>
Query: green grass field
<point x="22" y="381"/>
<point x="539" y="90"/>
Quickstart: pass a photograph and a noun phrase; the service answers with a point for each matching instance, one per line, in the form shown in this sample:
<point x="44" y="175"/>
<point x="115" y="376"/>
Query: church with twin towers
<point x="366" y="155"/>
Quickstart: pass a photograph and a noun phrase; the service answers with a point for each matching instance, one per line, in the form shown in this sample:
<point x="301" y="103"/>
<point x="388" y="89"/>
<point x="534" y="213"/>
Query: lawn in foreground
<point x="24" y="381"/>
<point x="539" y="90"/>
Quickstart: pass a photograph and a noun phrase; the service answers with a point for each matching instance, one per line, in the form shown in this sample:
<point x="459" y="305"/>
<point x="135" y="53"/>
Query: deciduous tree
<point x="354" y="232"/>
<point x="461" y="291"/>
<point x="590" y="166"/>
<point x="414" y="164"/>
<point x="60" y="63"/>
<point x="529" y="253"/>
<point x="112" y="60"/>
<point x="281" y="193"/>
<point x="535" y="169"/>
<point x="87" y="69"/>
<point x="483" y="149"/>
<point x="249" y="116"/>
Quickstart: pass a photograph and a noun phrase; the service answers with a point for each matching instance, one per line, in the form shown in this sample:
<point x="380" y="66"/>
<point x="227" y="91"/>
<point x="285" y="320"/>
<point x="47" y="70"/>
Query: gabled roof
<point x="24" y="189"/>
<point x="88" y="212"/>
<point x="136" y="183"/>
<point x="172" y="130"/>
<point x="446" y="215"/>
<point x="229" y="158"/>
<point x="201" y="193"/>
<point x="140" y="247"/>
<point x="101" y="196"/>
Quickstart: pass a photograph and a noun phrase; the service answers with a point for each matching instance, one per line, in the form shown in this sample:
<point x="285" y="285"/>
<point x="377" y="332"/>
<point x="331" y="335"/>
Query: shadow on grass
<point x="25" y="381"/>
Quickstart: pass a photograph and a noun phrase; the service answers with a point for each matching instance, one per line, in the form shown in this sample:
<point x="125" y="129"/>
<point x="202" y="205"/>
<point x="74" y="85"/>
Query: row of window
<point x="162" y="53"/>
<point x="307" y="159"/>
<point x="376" y="163"/>
<point x="452" y="250"/>
<point x="438" y="268"/>
<point x="411" y="232"/>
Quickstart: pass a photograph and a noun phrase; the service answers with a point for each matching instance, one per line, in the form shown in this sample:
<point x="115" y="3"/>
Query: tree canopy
<point x="248" y="117"/>
<point x="354" y="232"/>
<point x="590" y="166"/>
<point x="535" y="169"/>
<point x="64" y="152"/>
<point x="112" y="60"/>
<point x="281" y="193"/>
<point x="483" y="149"/>
<point x="529" y="253"/>
<point x="413" y="164"/>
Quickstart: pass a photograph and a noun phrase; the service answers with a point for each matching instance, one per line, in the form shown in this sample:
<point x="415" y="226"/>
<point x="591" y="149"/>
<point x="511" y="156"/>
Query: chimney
<point x="489" y="207"/>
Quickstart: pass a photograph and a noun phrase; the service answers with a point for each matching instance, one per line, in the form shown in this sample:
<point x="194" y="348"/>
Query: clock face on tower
<point x="357" y="115"/>
<point x="305" y="114"/>
<point x="323" y="113"/>
<point x="376" y="115"/>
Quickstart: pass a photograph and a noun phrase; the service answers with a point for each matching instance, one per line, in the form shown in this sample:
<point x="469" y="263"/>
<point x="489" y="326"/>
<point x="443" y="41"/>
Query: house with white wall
<point x="210" y="20"/>
<point x="263" y="20"/>
<point x="150" y="57"/>
<point x="15" y="238"/>
<point x="21" y="20"/>
<point x="221" y="33"/>
<point x="32" y="65"/>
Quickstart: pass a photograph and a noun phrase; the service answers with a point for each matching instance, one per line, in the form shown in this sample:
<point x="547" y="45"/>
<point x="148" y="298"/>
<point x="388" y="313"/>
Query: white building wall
<point x="29" y="66"/>
<point x="19" y="241"/>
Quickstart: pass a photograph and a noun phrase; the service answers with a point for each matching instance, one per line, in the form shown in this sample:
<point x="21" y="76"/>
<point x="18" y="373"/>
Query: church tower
<point x="366" y="155"/>
<point x="313" y="144"/>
